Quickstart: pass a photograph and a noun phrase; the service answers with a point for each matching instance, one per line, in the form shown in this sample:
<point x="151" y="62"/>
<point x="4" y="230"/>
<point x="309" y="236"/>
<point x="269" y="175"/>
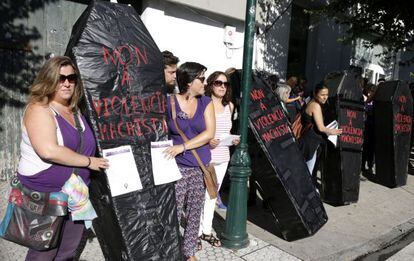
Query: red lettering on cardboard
<point x="129" y="105"/>
<point x="141" y="55"/>
<point x="275" y="132"/>
<point x="351" y="114"/>
<point x="257" y="94"/>
<point x="268" y="119"/>
<point x="125" y="78"/>
<point x="402" y="123"/>
<point x="137" y="127"/>
<point x="351" y="139"/>
<point x="131" y="52"/>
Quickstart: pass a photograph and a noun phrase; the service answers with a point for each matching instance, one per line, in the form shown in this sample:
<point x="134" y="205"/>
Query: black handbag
<point x="34" y="219"/>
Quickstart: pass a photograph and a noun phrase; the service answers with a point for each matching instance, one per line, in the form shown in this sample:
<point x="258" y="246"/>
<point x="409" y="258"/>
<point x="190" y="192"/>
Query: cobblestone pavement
<point x="380" y="217"/>
<point x="257" y="249"/>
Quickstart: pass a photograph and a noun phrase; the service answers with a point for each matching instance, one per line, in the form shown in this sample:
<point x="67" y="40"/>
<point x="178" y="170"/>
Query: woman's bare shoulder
<point x="313" y="107"/>
<point x="37" y="110"/>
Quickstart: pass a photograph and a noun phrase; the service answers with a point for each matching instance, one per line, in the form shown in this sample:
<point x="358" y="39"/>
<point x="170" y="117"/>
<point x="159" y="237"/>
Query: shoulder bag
<point x="210" y="178"/>
<point x="35" y="219"/>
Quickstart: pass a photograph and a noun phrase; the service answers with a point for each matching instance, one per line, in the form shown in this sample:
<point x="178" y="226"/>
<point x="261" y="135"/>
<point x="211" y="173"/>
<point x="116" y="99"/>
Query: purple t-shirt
<point x="191" y="128"/>
<point x="53" y="178"/>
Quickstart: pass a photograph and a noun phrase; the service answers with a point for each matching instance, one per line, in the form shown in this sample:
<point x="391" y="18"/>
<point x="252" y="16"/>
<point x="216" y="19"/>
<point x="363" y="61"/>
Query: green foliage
<point x="383" y="22"/>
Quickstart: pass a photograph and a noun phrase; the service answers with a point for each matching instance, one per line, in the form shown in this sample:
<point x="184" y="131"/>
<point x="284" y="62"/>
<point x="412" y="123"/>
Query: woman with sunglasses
<point x="218" y="88"/>
<point x="195" y="118"/>
<point x="50" y="141"/>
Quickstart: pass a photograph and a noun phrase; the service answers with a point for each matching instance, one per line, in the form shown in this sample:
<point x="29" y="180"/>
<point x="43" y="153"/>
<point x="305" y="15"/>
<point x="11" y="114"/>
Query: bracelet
<point x="89" y="163"/>
<point x="185" y="149"/>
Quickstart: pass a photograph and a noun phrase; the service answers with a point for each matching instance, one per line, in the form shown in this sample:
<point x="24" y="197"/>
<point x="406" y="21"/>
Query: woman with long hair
<point x="50" y="140"/>
<point x="313" y="116"/>
<point x="218" y="88"/>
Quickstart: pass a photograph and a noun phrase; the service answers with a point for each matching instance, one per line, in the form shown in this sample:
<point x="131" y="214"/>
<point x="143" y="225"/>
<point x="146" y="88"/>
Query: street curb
<point x="373" y="245"/>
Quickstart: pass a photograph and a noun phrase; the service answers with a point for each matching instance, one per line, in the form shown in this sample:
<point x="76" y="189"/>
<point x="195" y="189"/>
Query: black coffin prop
<point x="123" y="80"/>
<point x="393" y="111"/>
<point x="279" y="169"/>
<point x="341" y="165"/>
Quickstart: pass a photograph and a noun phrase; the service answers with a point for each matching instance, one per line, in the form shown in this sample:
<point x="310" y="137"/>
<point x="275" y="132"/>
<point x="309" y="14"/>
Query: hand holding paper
<point x="333" y="138"/>
<point x="122" y="173"/>
<point x="164" y="170"/>
<point x="227" y="139"/>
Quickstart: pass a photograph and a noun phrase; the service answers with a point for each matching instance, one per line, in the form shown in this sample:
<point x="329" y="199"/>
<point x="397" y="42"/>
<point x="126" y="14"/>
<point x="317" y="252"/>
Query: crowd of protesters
<point x="203" y="113"/>
<point x="295" y="98"/>
<point x="200" y="113"/>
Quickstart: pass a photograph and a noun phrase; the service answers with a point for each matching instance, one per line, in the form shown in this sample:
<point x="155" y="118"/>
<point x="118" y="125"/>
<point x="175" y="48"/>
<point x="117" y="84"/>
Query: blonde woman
<point x="49" y="143"/>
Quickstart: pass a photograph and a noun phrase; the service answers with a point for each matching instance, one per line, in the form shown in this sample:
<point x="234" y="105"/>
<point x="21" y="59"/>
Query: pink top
<point x="223" y="125"/>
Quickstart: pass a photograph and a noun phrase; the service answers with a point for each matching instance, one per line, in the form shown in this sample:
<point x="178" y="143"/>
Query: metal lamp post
<point x="234" y="235"/>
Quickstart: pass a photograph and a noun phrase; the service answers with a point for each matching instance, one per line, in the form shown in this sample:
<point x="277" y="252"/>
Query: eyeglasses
<point x="72" y="78"/>
<point x="218" y="83"/>
<point x="202" y="79"/>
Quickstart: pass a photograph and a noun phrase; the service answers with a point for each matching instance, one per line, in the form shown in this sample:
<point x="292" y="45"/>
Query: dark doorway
<point x="298" y="41"/>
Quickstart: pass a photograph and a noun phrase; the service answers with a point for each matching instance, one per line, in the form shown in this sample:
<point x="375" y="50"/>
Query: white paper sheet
<point x="163" y="170"/>
<point x="123" y="176"/>
<point x="333" y="138"/>
<point x="227" y="139"/>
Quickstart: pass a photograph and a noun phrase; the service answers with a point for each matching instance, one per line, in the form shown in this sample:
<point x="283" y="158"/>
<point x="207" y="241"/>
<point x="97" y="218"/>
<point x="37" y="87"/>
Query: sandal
<point x="212" y="240"/>
<point x="199" y="244"/>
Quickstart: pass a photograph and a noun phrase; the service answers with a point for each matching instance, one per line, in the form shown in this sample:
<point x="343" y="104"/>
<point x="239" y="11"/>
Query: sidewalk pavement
<point x="406" y="253"/>
<point x="380" y="217"/>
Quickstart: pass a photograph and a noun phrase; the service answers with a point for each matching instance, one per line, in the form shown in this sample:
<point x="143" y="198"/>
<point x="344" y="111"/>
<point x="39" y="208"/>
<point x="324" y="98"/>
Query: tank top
<point x="191" y="128"/>
<point x="221" y="154"/>
<point x="42" y="176"/>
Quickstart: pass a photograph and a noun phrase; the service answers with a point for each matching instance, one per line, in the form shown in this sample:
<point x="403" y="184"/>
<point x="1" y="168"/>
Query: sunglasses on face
<point x="218" y="83"/>
<point x="71" y="78"/>
<point x="202" y="79"/>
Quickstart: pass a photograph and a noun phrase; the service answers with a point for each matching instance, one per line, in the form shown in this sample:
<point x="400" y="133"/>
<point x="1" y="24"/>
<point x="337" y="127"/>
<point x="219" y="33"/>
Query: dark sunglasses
<point x="72" y="78"/>
<point x="202" y="79"/>
<point x="218" y="83"/>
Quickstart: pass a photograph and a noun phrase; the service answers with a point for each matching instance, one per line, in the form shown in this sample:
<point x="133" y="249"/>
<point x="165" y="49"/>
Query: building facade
<point x="288" y="41"/>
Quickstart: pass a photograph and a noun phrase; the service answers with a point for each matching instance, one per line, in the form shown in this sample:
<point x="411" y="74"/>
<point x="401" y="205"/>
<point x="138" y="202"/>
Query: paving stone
<point x="215" y="253"/>
<point x="254" y="244"/>
<point x="269" y="253"/>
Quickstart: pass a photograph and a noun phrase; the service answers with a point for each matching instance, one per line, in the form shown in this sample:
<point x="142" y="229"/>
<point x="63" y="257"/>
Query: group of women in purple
<point x="50" y="141"/>
<point x="204" y="115"/>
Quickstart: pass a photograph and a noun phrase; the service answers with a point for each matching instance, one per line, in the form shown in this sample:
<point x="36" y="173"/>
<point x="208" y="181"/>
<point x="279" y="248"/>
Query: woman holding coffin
<point x="50" y="139"/>
<point x="195" y="117"/>
<point x="312" y="120"/>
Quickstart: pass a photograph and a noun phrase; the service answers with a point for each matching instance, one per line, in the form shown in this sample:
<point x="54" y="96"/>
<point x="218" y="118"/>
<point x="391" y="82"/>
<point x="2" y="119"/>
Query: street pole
<point x="234" y="235"/>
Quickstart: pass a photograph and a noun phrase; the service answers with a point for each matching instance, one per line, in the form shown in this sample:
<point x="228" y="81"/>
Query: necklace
<point x="65" y="112"/>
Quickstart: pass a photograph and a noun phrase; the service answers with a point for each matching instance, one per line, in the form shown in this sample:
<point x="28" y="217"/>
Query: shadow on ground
<point x="257" y="213"/>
